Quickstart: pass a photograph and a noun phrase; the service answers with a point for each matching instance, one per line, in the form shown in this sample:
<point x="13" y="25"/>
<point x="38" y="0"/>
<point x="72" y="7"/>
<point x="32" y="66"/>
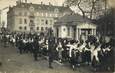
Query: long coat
<point x="51" y="48"/>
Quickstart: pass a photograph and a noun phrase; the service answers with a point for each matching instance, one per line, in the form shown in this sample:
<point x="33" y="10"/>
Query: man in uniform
<point x="51" y="46"/>
<point x="35" y="49"/>
<point x="20" y="45"/>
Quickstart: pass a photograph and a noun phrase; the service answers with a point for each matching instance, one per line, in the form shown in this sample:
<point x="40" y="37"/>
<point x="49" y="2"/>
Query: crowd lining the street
<point x="92" y="52"/>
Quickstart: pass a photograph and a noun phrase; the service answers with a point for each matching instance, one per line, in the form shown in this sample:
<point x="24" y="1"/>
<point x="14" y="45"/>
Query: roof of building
<point x="72" y="18"/>
<point x="39" y="7"/>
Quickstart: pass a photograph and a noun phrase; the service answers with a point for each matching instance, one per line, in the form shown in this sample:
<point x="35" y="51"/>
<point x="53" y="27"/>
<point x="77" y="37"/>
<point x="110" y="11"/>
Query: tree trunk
<point x="93" y="6"/>
<point x="83" y="12"/>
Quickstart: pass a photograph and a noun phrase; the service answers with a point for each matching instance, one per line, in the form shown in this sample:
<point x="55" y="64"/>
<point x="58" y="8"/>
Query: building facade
<point x="0" y="19"/>
<point x="4" y="16"/>
<point x="74" y="26"/>
<point x="27" y="17"/>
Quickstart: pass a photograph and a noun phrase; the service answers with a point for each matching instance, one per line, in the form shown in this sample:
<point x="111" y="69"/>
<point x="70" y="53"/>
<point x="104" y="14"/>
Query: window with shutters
<point x="46" y="21"/>
<point x="20" y="28"/>
<point x="42" y="29"/>
<point x="25" y="28"/>
<point x="37" y="28"/>
<point x="20" y="21"/>
<point x="25" y="21"/>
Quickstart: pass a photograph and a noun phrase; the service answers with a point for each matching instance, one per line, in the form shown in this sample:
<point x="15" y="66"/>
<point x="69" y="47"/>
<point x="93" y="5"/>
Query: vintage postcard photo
<point x="57" y="36"/>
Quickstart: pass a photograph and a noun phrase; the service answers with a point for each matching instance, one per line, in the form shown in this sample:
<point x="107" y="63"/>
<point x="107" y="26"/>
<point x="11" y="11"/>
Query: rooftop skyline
<point x="6" y="3"/>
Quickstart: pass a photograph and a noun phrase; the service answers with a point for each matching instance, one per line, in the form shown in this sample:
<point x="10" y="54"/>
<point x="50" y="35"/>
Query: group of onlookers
<point x="89" y="52"/>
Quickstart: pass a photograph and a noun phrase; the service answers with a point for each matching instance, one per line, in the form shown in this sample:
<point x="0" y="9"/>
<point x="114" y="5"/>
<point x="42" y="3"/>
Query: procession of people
<point x="94" y="53"/>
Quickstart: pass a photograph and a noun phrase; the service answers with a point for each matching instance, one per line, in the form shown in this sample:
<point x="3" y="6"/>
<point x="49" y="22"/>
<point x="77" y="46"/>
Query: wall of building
<point x="0" y="18"/>
<point x="81" y="26"/>
<point x="42" y="19"/>
<point x="0" y="21"/>
<point x="10" y="21"/>
<point x="75" y="32"/>
<point x="4" y="16"/>
<point x="21" y="20"/>
<point x="64" y="32"/>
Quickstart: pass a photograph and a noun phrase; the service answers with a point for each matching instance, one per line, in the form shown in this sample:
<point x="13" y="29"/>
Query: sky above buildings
<point x="6" y="3"/>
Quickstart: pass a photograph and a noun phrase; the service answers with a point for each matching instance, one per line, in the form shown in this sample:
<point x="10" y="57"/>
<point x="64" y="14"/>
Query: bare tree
<point x="90" y="7"/>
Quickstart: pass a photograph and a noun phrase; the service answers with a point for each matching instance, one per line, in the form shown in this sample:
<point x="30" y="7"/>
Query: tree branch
<point x="93" y="7"/>
<point x="83" y="12"/>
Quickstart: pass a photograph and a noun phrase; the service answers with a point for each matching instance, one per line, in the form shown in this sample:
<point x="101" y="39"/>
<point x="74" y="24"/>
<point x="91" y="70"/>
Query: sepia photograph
<point x="57" y="36"/>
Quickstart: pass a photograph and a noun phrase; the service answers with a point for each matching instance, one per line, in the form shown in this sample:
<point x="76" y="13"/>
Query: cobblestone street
<point x="13" y="62"/>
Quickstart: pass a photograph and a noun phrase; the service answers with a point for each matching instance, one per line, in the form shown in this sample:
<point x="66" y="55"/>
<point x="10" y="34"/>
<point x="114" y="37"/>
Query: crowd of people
<point x="90" y="52"/>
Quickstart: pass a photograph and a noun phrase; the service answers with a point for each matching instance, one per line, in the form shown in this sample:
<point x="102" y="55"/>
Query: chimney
<point x="50" y="3"/>
<point x="63" y="5"/>
<point x="41" y="3"/>
<point x="18" y="2"/>
<point x="25" y="1"/>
